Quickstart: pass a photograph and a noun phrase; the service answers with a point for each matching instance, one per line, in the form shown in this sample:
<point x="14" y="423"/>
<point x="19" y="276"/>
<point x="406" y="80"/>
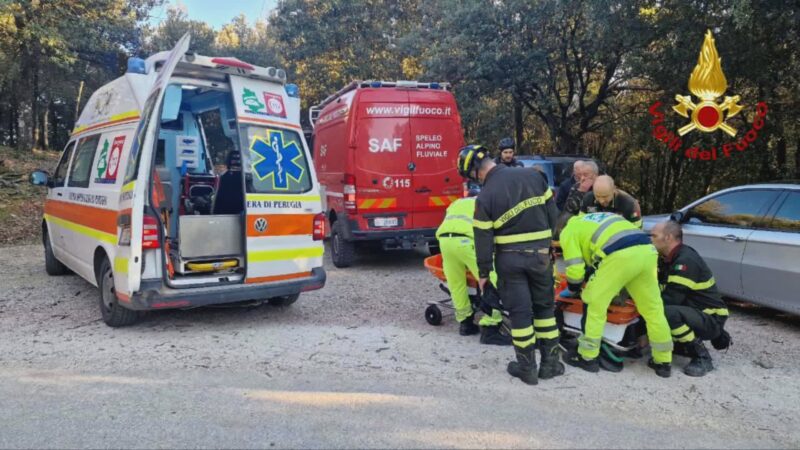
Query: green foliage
<point x="48" y="48"/>
<point x="325" y="45"/>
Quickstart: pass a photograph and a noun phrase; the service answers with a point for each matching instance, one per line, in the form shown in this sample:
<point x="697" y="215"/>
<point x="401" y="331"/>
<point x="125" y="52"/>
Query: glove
<point x="568" y="293"/>
<point x="490" y="299"/>
<point x="572" y="291"/>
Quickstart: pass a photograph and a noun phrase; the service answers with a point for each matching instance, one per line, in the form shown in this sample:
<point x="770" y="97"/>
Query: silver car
<point x="750" y="238"/>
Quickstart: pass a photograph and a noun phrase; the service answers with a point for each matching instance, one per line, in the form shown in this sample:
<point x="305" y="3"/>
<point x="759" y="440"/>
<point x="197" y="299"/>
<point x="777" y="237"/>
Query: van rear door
<point x="382" y="159"/>
<point x="133" y="198"/>
<point x="282" y="192"/>
<point x="436" y="137"/>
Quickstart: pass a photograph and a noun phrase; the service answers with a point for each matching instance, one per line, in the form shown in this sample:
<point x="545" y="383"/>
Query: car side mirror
<point x="39" y="178"/>
<point x="678" y="216"/>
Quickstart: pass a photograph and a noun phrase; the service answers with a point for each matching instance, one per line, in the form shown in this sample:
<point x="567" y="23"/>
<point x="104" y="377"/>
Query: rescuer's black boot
<point x="701" y="361"/>
<point x="491" y="335"/>
<point x="550" y="365"/>
<point x="468" y="327"/>
<point x="574" y="359"/>
<point x="664" y="370"/>
<point x="524" y="367"/>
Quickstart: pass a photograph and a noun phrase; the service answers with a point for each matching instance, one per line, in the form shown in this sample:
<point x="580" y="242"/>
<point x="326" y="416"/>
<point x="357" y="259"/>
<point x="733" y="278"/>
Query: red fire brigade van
<point x="385" y="154"/>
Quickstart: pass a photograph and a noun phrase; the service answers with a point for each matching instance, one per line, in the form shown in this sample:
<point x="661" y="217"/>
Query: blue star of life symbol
<point x="276" y="159"/>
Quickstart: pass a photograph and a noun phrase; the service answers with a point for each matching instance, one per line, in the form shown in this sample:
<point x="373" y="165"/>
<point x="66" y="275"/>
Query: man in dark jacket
<point x="506" y="155"/>
<point x="566" y="185"/>
<point x="572" y="206"/>
<point x="693" y="306"/>
<point x="605" y="197"/>
<point x="230" y="194"/>
<point x="514" y="218"/>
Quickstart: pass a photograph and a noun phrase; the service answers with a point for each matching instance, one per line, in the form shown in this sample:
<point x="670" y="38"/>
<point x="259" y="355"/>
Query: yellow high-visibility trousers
<point x="635" y="269"/>
<point x="458" y="256"/>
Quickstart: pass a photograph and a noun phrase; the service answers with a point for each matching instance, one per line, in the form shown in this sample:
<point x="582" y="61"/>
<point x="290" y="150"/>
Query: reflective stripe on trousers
<point x="523" y="237"/>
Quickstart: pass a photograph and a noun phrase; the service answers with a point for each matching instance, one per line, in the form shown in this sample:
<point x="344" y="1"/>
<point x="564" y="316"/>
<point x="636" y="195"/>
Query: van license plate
<point x="386" y="221"/>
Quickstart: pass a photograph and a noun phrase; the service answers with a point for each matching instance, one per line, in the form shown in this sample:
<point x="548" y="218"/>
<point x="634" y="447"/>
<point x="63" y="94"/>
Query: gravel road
<point x="353" y="365"/>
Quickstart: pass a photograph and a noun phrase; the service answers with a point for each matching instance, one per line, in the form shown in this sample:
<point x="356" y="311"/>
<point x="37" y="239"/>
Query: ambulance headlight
<point x="292" y="90"/>
<point x="136" y="65"/>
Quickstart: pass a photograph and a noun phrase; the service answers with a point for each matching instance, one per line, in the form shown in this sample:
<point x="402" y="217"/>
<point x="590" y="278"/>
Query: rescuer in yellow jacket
<point x="456" y="241"/>
<point x="624" y="258"/>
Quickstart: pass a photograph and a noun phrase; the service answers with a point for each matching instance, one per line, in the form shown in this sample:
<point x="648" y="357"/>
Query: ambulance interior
<point x="198" y="182"/>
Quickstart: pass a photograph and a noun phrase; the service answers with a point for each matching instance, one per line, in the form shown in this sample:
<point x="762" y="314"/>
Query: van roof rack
<point x="313" y="111"/>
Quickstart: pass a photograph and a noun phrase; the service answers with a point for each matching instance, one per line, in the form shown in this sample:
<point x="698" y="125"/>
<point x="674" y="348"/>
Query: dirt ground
<point x="354" y="365"/>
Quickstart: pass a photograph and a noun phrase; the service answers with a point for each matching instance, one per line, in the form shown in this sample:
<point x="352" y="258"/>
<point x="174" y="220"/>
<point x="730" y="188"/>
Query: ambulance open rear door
<point x="134" y="233"/>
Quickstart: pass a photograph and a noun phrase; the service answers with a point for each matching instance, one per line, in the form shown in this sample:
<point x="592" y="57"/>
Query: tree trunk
<point x="25" y="109"/>
<point x="36" y="124"/>
<point x="24" y="113"/>
<point x="12" y="127"/>
<point x="3" y="135"/>
<point x="37" y="135"/>
<point x="518" y="124"/>
<point x="765" y="173"/>
<point x="45" y="141"/>
<point x="78" y="103"/>
<point x="797" y="160"/>
<point x="781" y="157"/>
<point x="567" y="144"/>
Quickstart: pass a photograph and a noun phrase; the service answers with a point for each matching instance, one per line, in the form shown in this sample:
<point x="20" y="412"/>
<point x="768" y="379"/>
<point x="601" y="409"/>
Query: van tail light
<point x="350" y="194"/>
<point x="319" y="227"/>
<point x="124" y="235"/>
<point x="150" y="232"/>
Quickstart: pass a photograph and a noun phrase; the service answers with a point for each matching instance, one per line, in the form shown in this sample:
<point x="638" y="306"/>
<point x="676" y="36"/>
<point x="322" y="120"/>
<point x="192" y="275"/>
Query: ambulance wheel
<point x="433" y="315"/>
<point x="342" y="252"/>
<point x="52" y="265"/>
<point x="114" y="314"/>
<point x="434" y="249"/>
<point x="286" y="300"/>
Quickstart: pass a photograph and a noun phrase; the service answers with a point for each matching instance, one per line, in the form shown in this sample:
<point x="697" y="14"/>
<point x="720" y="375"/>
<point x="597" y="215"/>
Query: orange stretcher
<point x="616" y="334"/>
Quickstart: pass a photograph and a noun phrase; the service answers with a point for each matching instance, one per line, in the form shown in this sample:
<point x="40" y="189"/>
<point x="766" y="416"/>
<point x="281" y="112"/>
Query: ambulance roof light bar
<point x="226" y="64"/>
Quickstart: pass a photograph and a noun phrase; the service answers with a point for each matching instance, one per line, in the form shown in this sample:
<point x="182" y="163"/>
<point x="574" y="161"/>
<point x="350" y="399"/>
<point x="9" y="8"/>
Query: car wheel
<point x="285" y="300"/>
<point x="52" y="265"/>
<point x="343" y="252"/>
<point x="114" y="314"/>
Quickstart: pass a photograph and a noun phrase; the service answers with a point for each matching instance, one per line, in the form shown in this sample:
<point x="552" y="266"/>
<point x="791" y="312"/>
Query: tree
<point x="169" y="31"/>
<point x="325" y="45"/>
<point x="562" y="61"/>
<point x="49" y="43"/>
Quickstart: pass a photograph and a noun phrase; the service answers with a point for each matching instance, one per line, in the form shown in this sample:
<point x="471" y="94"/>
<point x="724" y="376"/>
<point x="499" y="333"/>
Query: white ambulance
<point x="142" y="206"/>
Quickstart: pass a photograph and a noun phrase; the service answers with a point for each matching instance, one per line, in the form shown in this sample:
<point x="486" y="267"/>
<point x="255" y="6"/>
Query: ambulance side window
<point x="60" y="174"/>
<point x="81" y="169"/>
<point x="136" y="148"/>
